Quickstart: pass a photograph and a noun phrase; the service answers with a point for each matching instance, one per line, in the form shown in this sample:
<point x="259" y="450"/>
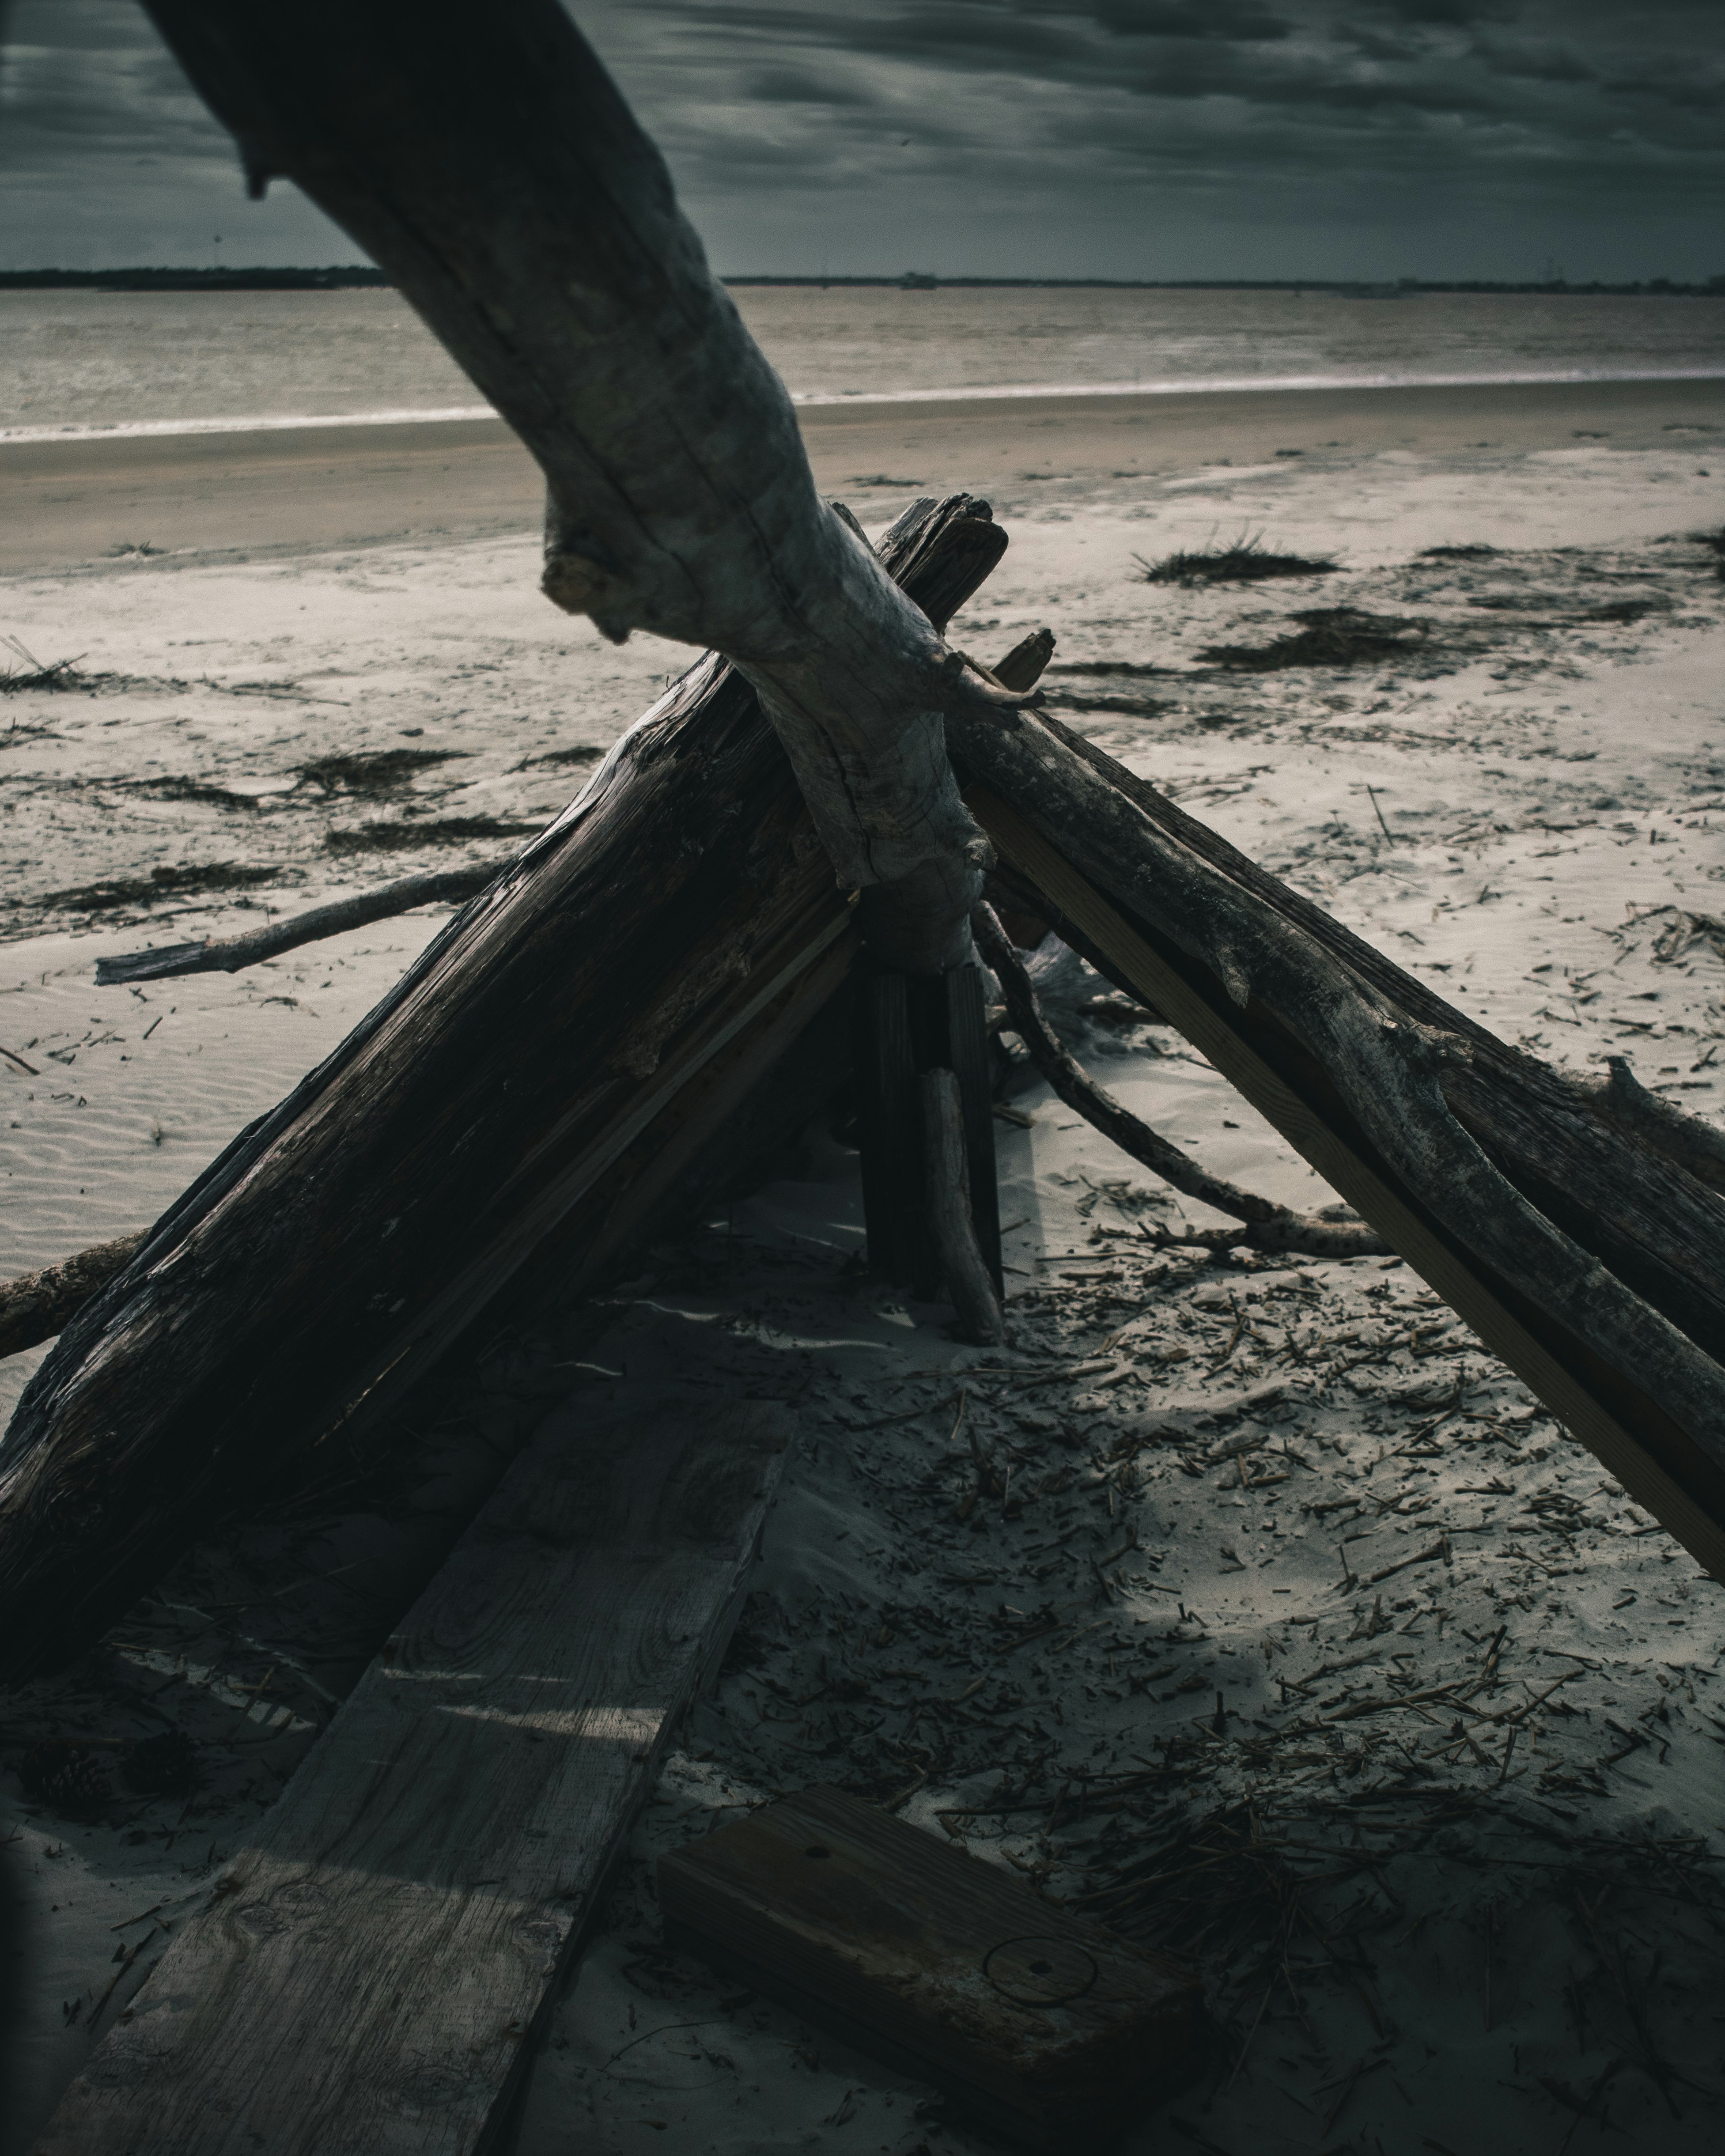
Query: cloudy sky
<point x="1114" y="138"/>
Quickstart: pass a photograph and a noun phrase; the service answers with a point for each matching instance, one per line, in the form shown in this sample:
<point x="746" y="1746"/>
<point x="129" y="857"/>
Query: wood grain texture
<point x="491" y="166"/>
<point x="946" y="1182"/>
<point x="335" y="1248"/>
<point x="1043" y="2026"/>
<point x="1302" y="1022"/>
<point x="367" y="1975"/>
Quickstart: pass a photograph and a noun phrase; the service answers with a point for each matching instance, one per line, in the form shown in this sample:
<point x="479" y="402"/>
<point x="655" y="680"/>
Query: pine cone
<point x="69" y="1776"/>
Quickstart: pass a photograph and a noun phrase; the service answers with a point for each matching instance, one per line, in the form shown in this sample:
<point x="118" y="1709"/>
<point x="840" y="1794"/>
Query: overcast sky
<point x="1113" y="138"/>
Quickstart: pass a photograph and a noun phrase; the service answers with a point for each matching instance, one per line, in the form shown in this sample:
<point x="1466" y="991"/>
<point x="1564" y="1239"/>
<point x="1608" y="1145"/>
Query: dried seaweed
<point x="1244" y="560"/>
<point x="1330" y="636"/>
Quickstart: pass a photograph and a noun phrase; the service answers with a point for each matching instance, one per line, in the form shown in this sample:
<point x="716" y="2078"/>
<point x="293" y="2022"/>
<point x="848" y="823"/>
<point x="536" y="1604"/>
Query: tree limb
<point x="1268" y="1226"/>
<point x="229" y="954"/>
<point x="489" y="165"/>
<point x="36" y="1305"/>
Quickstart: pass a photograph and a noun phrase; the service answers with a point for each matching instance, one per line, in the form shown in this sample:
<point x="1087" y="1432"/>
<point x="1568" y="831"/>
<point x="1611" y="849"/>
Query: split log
<point x="231" y="954"/>
<point x="36" y="1305"/>
<point x="505" y="1093"/>
<point x="1266" y="1226"/>
<point x="948" y="1183"/>
<point x="1563" y="1223"/>
<point x="489" y="166"/>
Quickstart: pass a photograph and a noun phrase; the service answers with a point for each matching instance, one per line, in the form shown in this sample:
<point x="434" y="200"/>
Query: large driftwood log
<point x="677" y="924"/>
<point x="489" y="164"/>
<point x="1563" y="1221"/>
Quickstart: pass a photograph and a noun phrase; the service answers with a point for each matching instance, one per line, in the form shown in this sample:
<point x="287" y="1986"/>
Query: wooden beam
<point x="1581" y="1249"/>
<point x="1043" y="2026"/>
<point x="370" y="1973"/>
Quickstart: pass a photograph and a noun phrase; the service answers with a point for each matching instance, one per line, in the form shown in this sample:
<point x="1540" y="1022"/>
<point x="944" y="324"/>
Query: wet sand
<point x="83" y="500"/>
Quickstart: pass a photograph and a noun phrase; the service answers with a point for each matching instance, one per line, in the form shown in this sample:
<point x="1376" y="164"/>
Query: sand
<point x="250" y="496"/>
<point x="1251" y="1512"/>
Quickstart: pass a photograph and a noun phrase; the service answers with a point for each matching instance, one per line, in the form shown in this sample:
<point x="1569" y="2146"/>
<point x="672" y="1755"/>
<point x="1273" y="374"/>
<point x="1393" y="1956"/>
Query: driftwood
<point x="230" y="954"/>
<point x="36" y="1305"/>
<point x="1267" y="1226"/>
<point x="1563" y="1221"/>
<point x="489" y="165"/>
<point x="370" y="1974"/>
<point x="1050" y="2032"/>
<point x="599" y="1006"/>
<point x="948" y="1183"/>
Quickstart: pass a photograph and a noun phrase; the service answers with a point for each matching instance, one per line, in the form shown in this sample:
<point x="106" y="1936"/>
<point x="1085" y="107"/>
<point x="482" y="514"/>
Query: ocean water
<point x="99" y="360"/>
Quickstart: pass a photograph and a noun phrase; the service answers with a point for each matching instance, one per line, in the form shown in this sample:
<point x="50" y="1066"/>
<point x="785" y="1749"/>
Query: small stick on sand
<point x="227" y="954"/>
<point x="1268" y="1226"/>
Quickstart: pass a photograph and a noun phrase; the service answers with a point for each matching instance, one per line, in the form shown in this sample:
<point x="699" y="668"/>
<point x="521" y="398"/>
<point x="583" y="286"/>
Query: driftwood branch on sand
<point x="502" y="182"/>
<point x="1566" y="1222"/>
<point x="34" y="1306"/>
<point x="231" y="954"/>
<point x="1266" y="1226"/>
<point x="538" y="1070"/>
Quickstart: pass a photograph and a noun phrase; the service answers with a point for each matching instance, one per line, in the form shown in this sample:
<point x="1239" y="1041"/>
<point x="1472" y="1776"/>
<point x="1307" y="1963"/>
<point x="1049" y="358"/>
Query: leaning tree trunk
<point x="484" y="158"/>
<point x="544" y="1069"/>
<point x="1578" y="1226"/>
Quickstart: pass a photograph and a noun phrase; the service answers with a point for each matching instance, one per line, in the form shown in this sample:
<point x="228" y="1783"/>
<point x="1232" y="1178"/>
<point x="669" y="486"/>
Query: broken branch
<point x="1268" y="1226"/>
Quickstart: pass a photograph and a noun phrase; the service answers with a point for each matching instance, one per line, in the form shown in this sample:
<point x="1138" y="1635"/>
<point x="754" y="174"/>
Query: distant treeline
<point x="345" y="278"/>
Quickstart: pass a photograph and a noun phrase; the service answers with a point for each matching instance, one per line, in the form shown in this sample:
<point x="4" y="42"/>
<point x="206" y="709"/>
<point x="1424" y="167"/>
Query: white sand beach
<point x="1263" y="1509"/>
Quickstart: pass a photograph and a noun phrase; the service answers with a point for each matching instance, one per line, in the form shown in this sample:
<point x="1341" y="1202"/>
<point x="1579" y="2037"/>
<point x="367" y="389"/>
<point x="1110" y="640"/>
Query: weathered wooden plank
<point x="368" y="1974"/>
<point x="1042" y="2025"/>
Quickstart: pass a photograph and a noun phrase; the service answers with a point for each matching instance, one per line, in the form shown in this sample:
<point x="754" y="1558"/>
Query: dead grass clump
<point x="375" y="771"/>
<point x="406" y="837"/>
<point x="33" y="674"/>
<point x="1246" y="561"/>
<point x="168" y="881"/>
<point x="1330" y="636"/>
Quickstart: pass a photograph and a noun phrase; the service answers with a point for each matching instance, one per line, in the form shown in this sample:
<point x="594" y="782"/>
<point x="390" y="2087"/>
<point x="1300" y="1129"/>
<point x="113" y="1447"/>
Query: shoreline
<point x="77" y="501"/>
<point x="122" y="430"/>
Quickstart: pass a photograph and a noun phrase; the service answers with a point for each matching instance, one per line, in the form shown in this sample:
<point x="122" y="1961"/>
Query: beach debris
<point x="173" y="880"/>
<point x="1267" y="1226"/>
<point x="1288" y="1005"/>
<point x="946" y="1182"/>
<point x="1037" y="2024"/>
<point x="408" y="835"/>
<point x="231" y="954"/>
<point x="564" y="1058"/>
<point x="35" y="1307"/>
<point x="31" y="674"/>
<point x="375" y="771"/>
<point x="559" y="1647"/>
<point x="1473" y="553"/>
<point x="65" y="1774"/>
<point x="1243" y="561"/>
<point x="1331" y="636"/>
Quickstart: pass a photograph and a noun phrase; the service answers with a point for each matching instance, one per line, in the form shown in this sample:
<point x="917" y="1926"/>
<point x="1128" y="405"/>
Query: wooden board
<point x="1043" y="2026"/>
<point x="367" y="1975"/>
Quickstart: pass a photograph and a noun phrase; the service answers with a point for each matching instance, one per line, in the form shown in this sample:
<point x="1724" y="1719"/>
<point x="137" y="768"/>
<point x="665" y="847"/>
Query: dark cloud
<point x="1102" y="137"/>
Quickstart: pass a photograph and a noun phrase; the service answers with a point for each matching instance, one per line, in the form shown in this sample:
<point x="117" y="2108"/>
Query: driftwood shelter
<point x="811" y="839"/>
